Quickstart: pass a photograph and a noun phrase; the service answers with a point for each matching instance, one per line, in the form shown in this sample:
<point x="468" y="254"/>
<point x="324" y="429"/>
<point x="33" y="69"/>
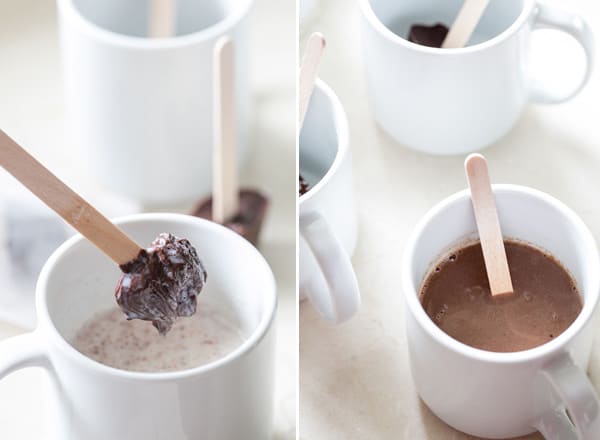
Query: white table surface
<point x="31" y="110"/>
<point x="355" y="380"/>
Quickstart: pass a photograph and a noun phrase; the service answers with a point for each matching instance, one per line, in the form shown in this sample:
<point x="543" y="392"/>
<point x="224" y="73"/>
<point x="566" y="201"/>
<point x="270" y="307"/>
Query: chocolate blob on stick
<point x="162" y="283"/>
<point x="432" y="36"/>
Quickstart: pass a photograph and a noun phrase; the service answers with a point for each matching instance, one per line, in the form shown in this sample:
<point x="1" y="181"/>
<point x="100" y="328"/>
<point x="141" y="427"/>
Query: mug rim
<point x="416" y="309"/>
<point x="132" y="41"/>
<point x="376" y="24"/>
<point x="46" y="326"/>
<point x="341" y="123"/>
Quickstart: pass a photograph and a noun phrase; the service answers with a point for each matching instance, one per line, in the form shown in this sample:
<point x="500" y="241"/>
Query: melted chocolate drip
<point x="162" y="283"/>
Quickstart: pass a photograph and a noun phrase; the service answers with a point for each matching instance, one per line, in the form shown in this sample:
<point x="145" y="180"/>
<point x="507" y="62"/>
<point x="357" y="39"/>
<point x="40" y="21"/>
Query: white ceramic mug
<point x="451" y="101"/>
<point x="306" y="11"/>
<point x="140" y="109"/>
<point x="504" y="395"/>
<point x="230" y="398"/>
<point x="328" y="223"/>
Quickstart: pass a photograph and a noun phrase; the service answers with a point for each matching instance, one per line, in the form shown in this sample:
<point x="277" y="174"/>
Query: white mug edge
<point x="343" y="141"/>
<point x="131" y="41"/>
<point x="46" y="328"/>
<point x="542" y="351"/>
<point x="385" y="32"/>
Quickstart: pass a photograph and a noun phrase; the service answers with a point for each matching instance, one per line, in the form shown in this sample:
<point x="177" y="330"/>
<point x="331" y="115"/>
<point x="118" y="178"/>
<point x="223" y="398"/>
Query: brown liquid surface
<point x="456" y="296"/>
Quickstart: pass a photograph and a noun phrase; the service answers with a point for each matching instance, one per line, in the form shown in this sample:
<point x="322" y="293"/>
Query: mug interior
<point x="131" y="17"/>
<point x="319" y="138"/>
<point x="398" y="17"/>
<point x="524" y="214"/>
<point x="80" y="280"/>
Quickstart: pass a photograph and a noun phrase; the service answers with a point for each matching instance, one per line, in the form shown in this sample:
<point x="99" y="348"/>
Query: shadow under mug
<point x="453" y="101"/>
<point x="140" y="108"/>
<point x="327" y="223"/>
<point x="505" y="395"/>
<point x="230" y="398"/>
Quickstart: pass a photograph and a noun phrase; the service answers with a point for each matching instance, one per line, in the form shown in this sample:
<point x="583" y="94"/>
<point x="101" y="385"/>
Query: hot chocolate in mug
<point x="505" y="395"/>
<point x="230" y="398"/>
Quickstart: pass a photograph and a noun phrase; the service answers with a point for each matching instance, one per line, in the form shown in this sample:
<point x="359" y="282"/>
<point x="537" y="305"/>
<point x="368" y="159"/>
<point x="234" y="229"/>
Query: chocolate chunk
<point x="304" y="186"/>
<point x="432" y="36"/>
<point x="247" y="222"/>
<point x="162" y="283"/>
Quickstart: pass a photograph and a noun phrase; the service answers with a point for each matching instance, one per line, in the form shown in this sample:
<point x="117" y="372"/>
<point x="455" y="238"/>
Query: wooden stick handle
<point x="308" y="72"/>
<point x="69" y="205"/>
<point x="161" y="18"/>
<point x="225" y="200"/>
<point x="488" y="225"/>
<point x="465" y="23"/>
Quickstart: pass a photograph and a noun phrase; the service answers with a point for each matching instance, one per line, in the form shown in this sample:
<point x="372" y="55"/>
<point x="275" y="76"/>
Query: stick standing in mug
<point x="240" y="210"/>
<point x="162" y="18"/>
<point x="488" y="225"/>
<point x="465" y="23"/>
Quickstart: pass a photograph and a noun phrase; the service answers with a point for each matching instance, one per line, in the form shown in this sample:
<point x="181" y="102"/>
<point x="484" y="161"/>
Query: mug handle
<point x="20" y="352"/>
<point x="551" y="17"/>
<point x="572" y="408"/>
<point x="336" y="267"/>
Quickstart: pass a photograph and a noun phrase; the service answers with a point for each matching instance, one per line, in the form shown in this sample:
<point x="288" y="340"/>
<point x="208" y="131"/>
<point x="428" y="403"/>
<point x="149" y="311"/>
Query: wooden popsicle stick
<point x="161" y="18"/>
<point x="308" y="72"/>
<point x="70" y="206"/>
<point x="225" y="199"/>
<point x="488" y="225"/>
<point x="465" y="23"/>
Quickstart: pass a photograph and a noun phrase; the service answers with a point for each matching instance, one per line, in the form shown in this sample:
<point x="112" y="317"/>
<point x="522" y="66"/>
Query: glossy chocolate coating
<point x="162" y="283"/>
<point x="432" y="36"/>
<point x="247" y="222"/>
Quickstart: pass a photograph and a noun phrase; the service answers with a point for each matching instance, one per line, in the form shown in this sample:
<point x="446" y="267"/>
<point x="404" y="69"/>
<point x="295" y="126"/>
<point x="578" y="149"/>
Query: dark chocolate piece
<point x="248" y="222"/>
<point x="432" y="36"/>
<point x="304" y="186"/>
<point x="162" y="283"/>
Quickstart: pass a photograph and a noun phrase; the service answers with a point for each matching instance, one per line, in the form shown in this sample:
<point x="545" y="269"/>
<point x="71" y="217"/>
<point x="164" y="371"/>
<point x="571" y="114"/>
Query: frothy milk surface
<point x="136" y="346"/>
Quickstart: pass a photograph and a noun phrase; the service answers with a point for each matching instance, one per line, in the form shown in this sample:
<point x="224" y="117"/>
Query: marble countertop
<point x="31" y="109"/>
<point x="355" y="380"/>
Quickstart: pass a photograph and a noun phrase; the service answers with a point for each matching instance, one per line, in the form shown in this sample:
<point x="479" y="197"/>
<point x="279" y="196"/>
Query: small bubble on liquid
<point x="437" y="269"/>
<point x="527" y="296"/>
<point x="439" y="315"/>
<point x="452" y="257"/>
<point x="554" y="316"/>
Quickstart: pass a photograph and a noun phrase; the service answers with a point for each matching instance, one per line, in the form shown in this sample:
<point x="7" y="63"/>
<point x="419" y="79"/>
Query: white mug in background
<point x="230" y="398"/>
<point x="505" y="395"/>
<point x="140" y="108"/>
<point x="306" y="11"/>
<point x="328" y="223"/>
<point x="451" y="101"/>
